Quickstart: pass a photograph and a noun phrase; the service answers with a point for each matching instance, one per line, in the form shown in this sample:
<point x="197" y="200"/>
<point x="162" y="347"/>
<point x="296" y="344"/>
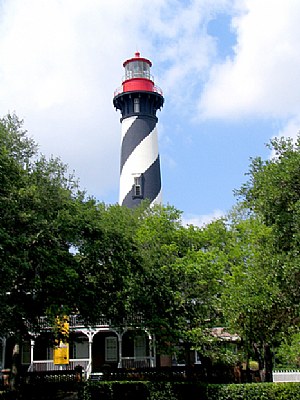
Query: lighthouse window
<point x="137" y="186"/>
<point x="137" y="69"/>
<point x="136" y="107"/>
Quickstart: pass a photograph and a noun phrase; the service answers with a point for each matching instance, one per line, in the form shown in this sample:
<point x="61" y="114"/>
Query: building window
<point x="137" y="188"/>
<point x="136" y="105"/>
<point x="111" y="349"/>
<point x="139" y="346"/>
<point x="178" y="358"/>
<point x="25" y="354"/>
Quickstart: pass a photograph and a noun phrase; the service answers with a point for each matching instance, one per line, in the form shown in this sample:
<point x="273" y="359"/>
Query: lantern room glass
<point x="137" y="69"/>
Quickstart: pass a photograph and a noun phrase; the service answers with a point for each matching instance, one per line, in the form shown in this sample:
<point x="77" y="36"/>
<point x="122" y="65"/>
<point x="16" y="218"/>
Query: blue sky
<point x="229" y="70"/>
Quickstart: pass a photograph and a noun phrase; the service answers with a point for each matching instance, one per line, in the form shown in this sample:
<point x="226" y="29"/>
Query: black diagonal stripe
<point x="151" y="186"/>
<point x="140" y="129"/>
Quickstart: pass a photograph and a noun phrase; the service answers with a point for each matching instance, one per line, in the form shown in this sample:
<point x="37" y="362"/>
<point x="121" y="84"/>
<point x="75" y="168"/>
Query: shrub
<point x="254" y="391"/>
<point x="189" y="390"/>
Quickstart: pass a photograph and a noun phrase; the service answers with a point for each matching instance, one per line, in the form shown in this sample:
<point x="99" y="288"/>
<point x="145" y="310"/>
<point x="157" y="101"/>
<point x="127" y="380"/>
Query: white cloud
<point x="60" y="63"/>
<point x="263" y="77"/>
<point x="201" y="220"/>
<point x="186" y="49"/>
<point x="62" y="59"/>
<point x="291" y="129"/>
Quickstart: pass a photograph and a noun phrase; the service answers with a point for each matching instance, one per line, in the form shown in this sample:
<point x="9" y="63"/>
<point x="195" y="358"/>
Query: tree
<point x="108" y="261"/>
<point x="36" y="198"/>
<point x="158" y="242"/>
<point x="179" y="284"/>
<point x="273" y="191"/>
<point x="251" y="298"/>
<point x="273" y="194"/>
<point x="288" y="353"/>
<point x="267" y="281"/>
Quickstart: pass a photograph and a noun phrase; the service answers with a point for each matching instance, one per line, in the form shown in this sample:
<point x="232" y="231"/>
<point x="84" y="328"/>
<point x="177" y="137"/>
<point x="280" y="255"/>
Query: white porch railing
<point x="286" y="376"/>
<point x="48" y="365"/>
<point x="75" y="322"/>
<point x="86" y="364"/>
<point x="137" y="362"/>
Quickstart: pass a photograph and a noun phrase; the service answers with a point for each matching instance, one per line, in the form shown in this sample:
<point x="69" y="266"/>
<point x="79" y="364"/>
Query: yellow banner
<point x="61" y="354"/>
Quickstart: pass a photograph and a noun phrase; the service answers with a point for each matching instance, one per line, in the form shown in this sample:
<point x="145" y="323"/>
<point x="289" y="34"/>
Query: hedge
<point x="6" y="395"/>
<point x="254" y="391"/>
<point x="144" y="390"/>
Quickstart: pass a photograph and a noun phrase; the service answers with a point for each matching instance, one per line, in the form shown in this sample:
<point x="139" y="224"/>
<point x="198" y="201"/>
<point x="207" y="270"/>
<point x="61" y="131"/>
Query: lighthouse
<point x="138" y="99"/>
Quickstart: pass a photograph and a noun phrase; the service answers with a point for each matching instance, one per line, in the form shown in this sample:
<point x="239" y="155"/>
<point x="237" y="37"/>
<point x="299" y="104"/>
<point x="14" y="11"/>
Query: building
<point x="92" y="348"/>
<point x="138" y="99"/>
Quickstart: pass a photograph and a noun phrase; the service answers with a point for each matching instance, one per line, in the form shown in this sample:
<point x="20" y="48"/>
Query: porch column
<point x="90" y="335"/>
<point x="152" y="350"/>
<point x="90" y="352"/>
<point x="120" y="348"/>
<point x="32" y="343"/>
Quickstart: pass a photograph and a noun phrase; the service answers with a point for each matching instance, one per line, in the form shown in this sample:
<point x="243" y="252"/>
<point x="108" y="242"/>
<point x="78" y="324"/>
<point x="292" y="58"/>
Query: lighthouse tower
<point x="138" y="99"/>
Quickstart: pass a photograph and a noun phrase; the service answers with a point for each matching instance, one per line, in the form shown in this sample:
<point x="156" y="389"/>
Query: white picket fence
<point x="286" y="376"/>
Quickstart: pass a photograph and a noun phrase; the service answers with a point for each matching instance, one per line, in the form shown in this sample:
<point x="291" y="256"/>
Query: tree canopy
<point x="261" y="296"/>
<point x="36" y="199"/>
<point x="63" y="252"/>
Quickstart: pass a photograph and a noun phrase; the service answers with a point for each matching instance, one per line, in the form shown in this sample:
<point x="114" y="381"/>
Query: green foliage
<point x="108" y="261"/>
<point x="161" y="391"/>
<point x="262" y="293"/>
<point x="288" y="353"/>
<point x="140" y="390"/>
<point x="38" y="270"/>
<point x="217" y="350"/>
<point x="261" y="391"/>
<point x="37" y="200"/>
<point x="61" y="251"/>
<point x="181" y="274"/>
<point x="251" y="296"/>
<point x="191" y="391"/>
<point x="273" y="194"/>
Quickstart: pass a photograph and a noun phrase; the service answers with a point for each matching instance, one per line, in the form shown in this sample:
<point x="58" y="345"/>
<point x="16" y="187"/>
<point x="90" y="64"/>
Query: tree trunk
<point x="15" y="366"/>
<point x="260" y="358"/>
<point x="248" y="373"/>
<point x="268" y="363"/>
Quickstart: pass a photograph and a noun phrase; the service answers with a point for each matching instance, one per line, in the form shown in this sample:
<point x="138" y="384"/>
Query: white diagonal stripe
<point x="158" y="199"/>
<point x="126" y="124"/>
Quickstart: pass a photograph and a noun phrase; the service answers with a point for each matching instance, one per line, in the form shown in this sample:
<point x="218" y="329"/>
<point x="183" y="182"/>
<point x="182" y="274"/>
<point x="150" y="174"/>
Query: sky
<point x="229" y="71"/>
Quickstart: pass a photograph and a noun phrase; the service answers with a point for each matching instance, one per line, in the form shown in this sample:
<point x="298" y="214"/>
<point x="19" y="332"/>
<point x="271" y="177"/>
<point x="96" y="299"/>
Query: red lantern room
<point x="137" y="76"/>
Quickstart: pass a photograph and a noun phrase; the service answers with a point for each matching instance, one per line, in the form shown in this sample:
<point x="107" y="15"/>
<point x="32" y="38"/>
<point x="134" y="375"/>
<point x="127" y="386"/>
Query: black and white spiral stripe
<point x="139" y="157"/>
